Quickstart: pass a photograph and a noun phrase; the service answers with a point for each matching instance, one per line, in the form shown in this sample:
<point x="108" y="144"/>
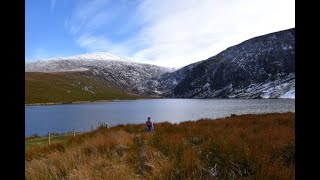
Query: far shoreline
<point x="84" y="102"/>
<point x="113" y="100"/>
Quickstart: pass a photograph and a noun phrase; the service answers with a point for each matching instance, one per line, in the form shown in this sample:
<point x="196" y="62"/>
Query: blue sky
<point x="169" y="33"/>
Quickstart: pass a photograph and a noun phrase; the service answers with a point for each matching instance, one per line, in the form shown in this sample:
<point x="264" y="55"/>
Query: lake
<point x="82" y="117"/>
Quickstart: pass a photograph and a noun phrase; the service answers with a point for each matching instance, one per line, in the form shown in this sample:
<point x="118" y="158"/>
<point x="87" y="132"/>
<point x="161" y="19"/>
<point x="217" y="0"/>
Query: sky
<point x="171" y="33"/>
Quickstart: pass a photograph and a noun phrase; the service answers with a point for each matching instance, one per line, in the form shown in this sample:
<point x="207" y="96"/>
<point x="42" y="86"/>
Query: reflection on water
<point x="81" y="117"/>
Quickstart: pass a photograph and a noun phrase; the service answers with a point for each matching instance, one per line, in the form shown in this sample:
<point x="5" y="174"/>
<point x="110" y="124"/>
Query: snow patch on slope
<point x="289" y="95"/>
<point x="101" y="56"/>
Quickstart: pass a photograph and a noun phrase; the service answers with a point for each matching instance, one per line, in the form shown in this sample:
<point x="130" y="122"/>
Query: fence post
<point x="74" y="134"/>
<point x="49" y="138"/>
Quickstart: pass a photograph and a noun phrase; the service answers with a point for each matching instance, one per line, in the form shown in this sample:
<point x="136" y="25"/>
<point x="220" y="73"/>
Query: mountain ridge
<point x="260" y="67"/>
<point x="87" y="56"/>
<point x="120" y="73"/>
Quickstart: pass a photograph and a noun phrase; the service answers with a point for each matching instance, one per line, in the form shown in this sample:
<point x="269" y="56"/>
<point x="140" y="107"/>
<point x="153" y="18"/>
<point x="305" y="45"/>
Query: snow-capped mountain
<point x="104" y="56"/>
<point x="65" y="64"/>
<point x="261" y="67"/>
<point x="110" y="68"/>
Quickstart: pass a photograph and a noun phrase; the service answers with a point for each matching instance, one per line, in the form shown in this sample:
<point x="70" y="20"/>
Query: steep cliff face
<point x="261" y="67"/>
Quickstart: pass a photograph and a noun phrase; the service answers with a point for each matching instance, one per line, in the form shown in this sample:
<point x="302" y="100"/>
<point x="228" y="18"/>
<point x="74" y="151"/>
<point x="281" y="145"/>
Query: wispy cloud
<point x="91" y="23"/>
<point x="41" y="53"/>
<point x="192" y="30"/>
<point x="93" y="43"/>
<point x="52" y="4"/>
<point x="88" y="16"/>
<point x="38" y="53"/>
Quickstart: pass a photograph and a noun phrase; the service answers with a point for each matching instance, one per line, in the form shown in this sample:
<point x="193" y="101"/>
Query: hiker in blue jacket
<point x="149" y="125"/>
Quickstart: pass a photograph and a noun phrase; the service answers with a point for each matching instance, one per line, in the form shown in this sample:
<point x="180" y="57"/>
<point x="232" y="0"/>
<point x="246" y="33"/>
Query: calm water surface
<point x="82" y="117"/>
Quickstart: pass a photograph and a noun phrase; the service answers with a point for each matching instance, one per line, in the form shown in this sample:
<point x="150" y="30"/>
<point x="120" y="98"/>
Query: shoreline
<point x="60" y="103"/>
<point x="254" y="146"/>
<point x="83" y="102"/>
<point x="113" y="100"/>
<point x="218" y="118"/>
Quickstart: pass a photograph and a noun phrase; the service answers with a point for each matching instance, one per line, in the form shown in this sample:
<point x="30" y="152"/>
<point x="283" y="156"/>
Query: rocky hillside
<point x="261" y="67"/>
<point x="67" y="87"/>
<point x="104" y="66"/>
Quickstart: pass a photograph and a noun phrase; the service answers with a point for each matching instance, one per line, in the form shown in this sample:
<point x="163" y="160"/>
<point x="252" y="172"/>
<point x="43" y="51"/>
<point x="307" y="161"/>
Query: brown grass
<point x="237" y="147"/>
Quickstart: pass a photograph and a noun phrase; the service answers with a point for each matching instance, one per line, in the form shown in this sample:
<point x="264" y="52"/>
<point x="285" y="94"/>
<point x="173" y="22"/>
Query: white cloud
<point x="180" y="32"/>
<point x="52" y="4"/>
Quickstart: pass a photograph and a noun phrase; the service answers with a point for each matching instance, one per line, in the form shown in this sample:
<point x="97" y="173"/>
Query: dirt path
<point x="142" y="157"/>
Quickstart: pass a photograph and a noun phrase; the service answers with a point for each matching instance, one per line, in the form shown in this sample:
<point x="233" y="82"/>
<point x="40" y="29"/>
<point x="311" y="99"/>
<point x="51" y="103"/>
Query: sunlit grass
<point x="238" y="147"/>
<point x="68" y="87"/>
<point x="43" y="141"/>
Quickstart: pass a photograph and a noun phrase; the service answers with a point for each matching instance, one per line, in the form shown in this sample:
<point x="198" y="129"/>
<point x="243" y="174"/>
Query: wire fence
<point x="50" y="138"/>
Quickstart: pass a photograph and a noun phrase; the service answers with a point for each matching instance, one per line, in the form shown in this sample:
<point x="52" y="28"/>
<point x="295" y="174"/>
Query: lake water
<point x="82" y="117"/>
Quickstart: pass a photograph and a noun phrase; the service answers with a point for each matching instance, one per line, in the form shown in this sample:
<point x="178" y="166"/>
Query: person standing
<point x="149" y="125"/>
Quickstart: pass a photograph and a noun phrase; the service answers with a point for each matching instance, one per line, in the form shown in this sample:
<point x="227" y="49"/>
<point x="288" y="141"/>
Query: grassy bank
<point x="36" y="141"/>
<point x="69" y="87"/>
<point x="238" y="147"/>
